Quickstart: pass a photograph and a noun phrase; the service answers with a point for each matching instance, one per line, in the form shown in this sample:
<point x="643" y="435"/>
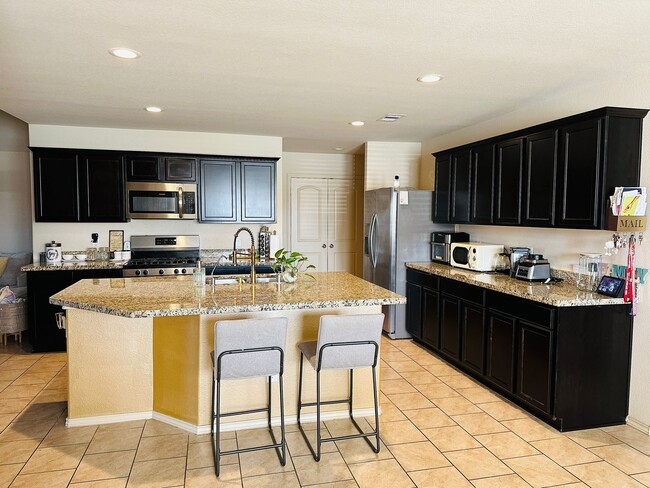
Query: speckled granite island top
<point x="564" y="294"/>
<point x="72" y="265"/>
<point x="173" y="296"/>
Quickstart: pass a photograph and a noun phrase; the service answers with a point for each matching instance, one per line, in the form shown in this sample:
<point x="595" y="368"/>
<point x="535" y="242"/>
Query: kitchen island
<point x="140" y="347"/>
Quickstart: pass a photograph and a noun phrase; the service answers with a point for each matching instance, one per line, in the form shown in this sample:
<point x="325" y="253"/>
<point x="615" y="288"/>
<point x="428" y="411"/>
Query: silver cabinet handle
<point x="180" y="202"/>
<point x="373" y="228"/>
<point x="324" y="246"/>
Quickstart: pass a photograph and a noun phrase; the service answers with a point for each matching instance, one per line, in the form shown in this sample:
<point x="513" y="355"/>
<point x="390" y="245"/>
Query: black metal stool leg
<point x="300" y="388"/>
<point x="318" y="437"/>
<point x="283" y="459"/>
<point x="374" y="393"/>
<point x="217" y="428"/>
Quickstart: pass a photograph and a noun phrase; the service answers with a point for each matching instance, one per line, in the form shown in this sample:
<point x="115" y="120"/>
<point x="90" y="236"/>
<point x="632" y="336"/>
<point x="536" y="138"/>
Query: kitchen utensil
<point x="516" y="253"/>
<point x="503" y="263"/>
<point x="533" y="268"/>
<point x="53" y="252"/>
<point x="80" y="257"/>
<point x="68" y="257"/>
<point x="589" y="271"/>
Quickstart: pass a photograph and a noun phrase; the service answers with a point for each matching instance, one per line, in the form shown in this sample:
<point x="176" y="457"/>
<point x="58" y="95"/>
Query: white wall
<point x="15" y="186"/>
<point x="385" y="160"/>
<point x="76" y="236"/>
<point x="562" y="246"/>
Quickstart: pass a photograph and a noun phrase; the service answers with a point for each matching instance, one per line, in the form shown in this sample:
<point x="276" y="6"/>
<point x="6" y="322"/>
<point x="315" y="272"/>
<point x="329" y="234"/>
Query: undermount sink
<point x="244" y="279"/>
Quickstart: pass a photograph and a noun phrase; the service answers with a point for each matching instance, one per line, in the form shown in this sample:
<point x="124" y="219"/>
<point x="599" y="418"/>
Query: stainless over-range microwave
<point x="162" y="200"/>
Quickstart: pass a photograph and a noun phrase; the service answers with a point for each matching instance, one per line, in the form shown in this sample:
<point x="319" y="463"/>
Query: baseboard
<point x="637" y="424"/>
<point x="108" y="419"/>
<point x="205" y="429"/>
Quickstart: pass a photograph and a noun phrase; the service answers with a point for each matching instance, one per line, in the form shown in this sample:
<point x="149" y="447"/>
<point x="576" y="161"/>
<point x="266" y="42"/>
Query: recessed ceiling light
<point x="338" y="149"/>
<point x="153" y="109"/>
<point x="357" y="123"/>
<point x="429" y="78"/>
<point x="124" y="52"/>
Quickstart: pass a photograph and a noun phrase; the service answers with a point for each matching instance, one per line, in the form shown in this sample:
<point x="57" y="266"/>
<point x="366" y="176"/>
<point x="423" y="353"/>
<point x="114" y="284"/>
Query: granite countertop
<point x="72" y="265"/>
<point x="564" y="294"/>
<point x="177" y="295"/>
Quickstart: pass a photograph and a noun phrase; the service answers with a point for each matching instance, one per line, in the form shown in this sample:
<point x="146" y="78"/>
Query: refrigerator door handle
<point x="372" y="236"/>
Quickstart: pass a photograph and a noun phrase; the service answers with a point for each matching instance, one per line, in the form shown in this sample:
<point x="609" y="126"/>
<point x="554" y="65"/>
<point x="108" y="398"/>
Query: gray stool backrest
<point x="348" y="328"/>
<point x="247" y="334"/>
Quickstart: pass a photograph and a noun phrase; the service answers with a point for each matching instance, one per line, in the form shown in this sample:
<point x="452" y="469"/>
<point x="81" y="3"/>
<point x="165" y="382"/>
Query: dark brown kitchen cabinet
<point x="414" y="309"/>
<point x="534" y="366"/>
<point x="450" y="325"/>
<point x="56" y="189"/>
<point x="179" y="168"/>
<point x="482" y="198"/>
<point x="44" y="335"/>
<point x="473" y="336"/>
<point x="257" y="191"/>
<point x="460" y="186"/>
<point x="540" y="179"/>
<point x="160" y="167"/>
<point x="78" y="186"/>
<point x="237" y="190"/>
<point x="101" y="188"/>
<point x="509" y="161"/>
<point x="441" y="196"/>
<point x="431" y="317"/>
<point x="143" y="168"/>
<point x="556" y="174"/>
<point x="500" y="352"/>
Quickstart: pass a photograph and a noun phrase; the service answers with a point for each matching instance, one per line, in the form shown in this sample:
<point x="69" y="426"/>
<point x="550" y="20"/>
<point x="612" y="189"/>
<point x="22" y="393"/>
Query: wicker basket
<point x="13" y="318"/>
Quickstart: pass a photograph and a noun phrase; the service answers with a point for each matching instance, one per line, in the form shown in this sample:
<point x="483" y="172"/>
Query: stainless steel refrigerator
<point x="394" y="233"/>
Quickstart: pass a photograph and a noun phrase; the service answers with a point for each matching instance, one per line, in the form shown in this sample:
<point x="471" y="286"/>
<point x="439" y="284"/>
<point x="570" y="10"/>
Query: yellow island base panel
<point x="140" y="347"/>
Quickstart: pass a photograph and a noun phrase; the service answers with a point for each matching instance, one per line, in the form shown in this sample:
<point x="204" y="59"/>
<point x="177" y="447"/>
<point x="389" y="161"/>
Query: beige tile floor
<point x="439" y="428"/>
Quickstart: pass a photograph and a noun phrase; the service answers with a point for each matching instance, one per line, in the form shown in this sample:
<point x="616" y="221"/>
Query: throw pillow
<point x="3" y="265"/>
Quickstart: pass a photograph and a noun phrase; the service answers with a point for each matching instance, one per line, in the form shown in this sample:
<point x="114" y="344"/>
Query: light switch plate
<point x="403" y="197"/>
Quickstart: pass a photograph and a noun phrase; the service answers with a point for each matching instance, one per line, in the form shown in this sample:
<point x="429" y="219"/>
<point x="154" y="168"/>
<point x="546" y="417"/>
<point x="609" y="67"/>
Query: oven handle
<point x="180" y="202"/>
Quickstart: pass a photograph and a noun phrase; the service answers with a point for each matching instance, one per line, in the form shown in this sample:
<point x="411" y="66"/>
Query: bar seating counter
<point x="140" y="347"/>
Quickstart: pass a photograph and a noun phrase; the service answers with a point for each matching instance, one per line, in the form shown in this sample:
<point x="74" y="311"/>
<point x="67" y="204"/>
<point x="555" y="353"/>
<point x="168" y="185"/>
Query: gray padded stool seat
<point x="344" y="342"/>
<point x="246" y="349"/>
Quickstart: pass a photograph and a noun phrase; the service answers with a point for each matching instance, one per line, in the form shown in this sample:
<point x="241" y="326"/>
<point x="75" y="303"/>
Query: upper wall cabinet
<point x="237" y="190"/>
<point x="163" y="167"/>
<point x="557" y="174"/>
<point x="78" y="186"/>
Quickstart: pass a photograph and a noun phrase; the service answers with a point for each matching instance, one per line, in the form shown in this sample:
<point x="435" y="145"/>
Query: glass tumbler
<point x="589" y="271"/>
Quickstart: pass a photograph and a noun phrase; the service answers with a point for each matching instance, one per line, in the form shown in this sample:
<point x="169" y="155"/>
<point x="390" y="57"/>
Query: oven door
<point x="460" y="256"/>
<point x="161" y="201"/>
<point x="440" y="252"/>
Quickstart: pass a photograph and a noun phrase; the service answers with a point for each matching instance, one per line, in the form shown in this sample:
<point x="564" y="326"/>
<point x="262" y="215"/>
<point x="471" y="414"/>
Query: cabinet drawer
<point x="468" y="293"/>
<point x="521" y="308"/>
<point x="422" y="278"/>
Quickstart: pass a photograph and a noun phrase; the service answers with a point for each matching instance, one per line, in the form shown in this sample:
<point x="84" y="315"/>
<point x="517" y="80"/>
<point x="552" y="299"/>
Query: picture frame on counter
<point x="115" y="240"/>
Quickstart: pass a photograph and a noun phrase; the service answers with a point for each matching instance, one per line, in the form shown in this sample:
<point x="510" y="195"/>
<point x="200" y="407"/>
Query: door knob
<point x="324" y="246"/>
<point x="331" y="246"/>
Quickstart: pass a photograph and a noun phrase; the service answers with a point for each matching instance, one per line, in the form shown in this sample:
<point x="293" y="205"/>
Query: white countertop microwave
<point x="476" y="256"/>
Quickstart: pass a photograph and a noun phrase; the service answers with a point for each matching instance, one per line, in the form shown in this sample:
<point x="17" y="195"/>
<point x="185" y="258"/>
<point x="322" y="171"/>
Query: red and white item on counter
<point x="630" y="285"/>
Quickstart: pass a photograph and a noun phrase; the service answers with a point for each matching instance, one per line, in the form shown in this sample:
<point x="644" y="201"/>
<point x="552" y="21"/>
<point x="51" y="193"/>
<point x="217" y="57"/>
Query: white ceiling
<point x="302" y="69"/>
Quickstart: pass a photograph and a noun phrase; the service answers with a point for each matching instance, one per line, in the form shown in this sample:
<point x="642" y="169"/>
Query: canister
<point x="53" y="252"/>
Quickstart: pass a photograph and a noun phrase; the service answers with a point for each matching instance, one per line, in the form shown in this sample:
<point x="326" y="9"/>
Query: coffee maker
<point x="516" y="253"/>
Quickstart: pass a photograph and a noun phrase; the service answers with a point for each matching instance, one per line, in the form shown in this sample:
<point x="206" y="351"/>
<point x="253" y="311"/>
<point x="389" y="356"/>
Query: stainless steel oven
<point x="162" y="200"/>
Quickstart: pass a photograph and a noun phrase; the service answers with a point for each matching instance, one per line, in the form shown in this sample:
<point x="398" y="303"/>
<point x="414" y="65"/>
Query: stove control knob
<point x="183" y="271"/>
<point x="161" y="271"/>
<point x="137" y="272"/>
<point x="176" y="271"/>
<point x="145" y="272"/>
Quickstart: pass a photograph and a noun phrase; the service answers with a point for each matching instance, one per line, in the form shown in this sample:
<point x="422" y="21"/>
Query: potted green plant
<point x="290" y="264"/>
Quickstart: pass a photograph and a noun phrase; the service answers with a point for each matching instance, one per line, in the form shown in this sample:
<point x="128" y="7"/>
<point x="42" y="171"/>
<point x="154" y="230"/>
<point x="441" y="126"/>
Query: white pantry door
<point x="324" y="222"/>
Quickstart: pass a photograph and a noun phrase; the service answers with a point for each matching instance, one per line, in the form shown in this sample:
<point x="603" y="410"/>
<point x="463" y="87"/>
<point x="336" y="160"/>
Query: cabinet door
<point x="482" y="184"/>
<point x="218" y="191"/>
<point x="509" y="166"/>
<point x="460" y="186"/>
<point x="142" y="168"/>
<point x="450" y="325"/>
<point x="43" y="333"/>
<point x="473" y="336"/>
<point x="101" y="188"/>
<point x="441" y="197"/>
<point x="500" y="350"/>
<point x="534" y="366"/>
<point x="414" y="310"/>
<point x="180" y="169"/>
<point x="580" y="168"/>
<point x="540" y="175"/>
<point x="257" y="191"/>
<point x="430" y="317"/>
<point x="56" y="197"/>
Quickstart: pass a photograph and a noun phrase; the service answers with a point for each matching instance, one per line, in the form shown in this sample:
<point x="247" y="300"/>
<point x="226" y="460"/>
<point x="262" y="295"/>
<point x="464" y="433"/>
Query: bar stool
<point x="246" y="349"/>
<point x="344" y="342"/>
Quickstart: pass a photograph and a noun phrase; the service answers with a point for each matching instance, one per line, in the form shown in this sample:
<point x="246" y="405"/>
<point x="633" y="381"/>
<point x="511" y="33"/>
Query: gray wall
<point x="15" y="186"/>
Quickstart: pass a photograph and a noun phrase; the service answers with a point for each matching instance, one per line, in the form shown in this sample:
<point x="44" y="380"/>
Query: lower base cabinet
<point x="569" y="366"/>
<point x="44" y="335"/>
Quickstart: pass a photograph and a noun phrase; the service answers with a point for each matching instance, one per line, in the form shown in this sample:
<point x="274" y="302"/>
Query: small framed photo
<point x="115" y="240"/>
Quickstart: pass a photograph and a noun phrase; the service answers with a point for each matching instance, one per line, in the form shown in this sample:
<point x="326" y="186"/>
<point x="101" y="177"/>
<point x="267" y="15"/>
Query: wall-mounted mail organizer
<point x="628" y="221"/>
